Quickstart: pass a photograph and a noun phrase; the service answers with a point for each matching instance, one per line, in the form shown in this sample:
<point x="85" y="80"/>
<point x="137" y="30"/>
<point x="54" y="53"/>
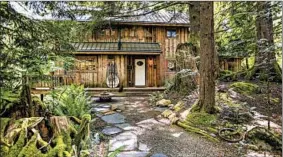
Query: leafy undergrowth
<point x="68" y="100"/>
<point x="258" y="99"/>
<point x="245" y="88"/>
<point x="59" y="126"/>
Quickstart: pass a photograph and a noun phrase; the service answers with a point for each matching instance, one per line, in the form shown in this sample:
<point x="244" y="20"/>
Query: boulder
<point x="115" y="107"/>
<point x="179" y="106"/>
<point x="166" y="113"/>
<point x="163" y="102"/>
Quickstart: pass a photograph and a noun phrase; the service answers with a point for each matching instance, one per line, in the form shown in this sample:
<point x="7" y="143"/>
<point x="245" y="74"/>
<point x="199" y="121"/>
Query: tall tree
<point x="207" y="58"/>
<point x="265" y="58"/>
<point x="194" y="14"/>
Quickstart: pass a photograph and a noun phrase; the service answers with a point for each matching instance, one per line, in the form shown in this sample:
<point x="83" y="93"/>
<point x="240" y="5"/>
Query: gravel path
<point x="157" y="137"/>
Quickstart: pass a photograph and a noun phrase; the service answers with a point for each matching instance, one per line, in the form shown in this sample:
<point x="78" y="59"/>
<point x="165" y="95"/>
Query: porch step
<point x="95" y="92"/>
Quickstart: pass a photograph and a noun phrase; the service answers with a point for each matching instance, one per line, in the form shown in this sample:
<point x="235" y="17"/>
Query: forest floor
<point x="259" y="100"/>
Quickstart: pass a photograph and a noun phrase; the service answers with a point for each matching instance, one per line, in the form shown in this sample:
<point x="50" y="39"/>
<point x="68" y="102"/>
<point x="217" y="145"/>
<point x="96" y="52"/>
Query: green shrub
<point x="69" y="100"/>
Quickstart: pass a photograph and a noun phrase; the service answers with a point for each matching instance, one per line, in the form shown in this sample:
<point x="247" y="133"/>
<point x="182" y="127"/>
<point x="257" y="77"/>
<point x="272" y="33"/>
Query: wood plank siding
<point x="90" y="67"/>
<point x="91" y="70"/>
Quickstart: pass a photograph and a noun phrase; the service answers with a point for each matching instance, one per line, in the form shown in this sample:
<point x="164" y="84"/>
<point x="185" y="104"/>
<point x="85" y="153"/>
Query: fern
<point x="69" y="100"/>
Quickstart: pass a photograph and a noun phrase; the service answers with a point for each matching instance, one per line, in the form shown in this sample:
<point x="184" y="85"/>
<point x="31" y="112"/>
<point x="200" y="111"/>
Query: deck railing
<point x="49" y="81"/>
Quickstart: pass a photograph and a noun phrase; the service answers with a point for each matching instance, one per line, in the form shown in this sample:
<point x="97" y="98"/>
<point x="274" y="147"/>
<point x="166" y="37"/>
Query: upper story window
<point x="171" y="33"/>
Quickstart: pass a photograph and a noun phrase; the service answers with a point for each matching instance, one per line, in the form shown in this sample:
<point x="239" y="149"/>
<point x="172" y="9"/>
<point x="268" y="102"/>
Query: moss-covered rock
<point x="245" y="88"/>
<point x="178" y="106"/>
<point x="163" y="102"/>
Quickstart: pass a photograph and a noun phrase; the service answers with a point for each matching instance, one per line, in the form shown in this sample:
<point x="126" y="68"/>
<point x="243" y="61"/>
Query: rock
<point x="115" y="107"/>
<point x="165" y="121"/>
<point x="173" y="118"/>
<point x="132" y="154"/>
<point x="160" y="109"/>
<point x="115" y="118"/>
<point x="100" y="109"/>
<point x="96" y="138"/>
<point x="159" y="155"/>
<point x="163" y="102"/>
<point x="109" y="112"/>
<point x="166" y="113"/>
<point x="105" y="105"/>
<point x="222" y="88"/>
<point x="124" y="126"/>
<point x="179" y="106"/>
<point x="98" y="114"/>
<point x="143" y="147"/>
<point x="148" y="124"/>
<point x="233" y="94"/>
<point x="111" y="130"/>
<point x="126" y="139"/>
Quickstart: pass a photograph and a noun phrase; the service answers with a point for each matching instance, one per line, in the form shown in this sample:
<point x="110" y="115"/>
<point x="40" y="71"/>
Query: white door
<point x="140" y="72"/>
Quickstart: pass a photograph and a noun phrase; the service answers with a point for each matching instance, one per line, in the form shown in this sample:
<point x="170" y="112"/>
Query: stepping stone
<point x="111" y="130"/>
<point x="165" y="121"/>
<point x="115" y="118"/>
<point x="100" y="109"/>
<point x="98" y="115"/>
<point x="125" y="126"/>
<point x="105" y="105"/>
<point x="132" y="154"/>
<point x="160" y="109"/>
<point x="143" y="147"/>
<point x="127" y="139"/>
<point x="149" y="123"/>
<point x="159" y="155"/>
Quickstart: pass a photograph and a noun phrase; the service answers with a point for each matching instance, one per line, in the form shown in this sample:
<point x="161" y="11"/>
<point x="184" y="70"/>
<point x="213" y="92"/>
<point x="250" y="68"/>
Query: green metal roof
<point x="114" y="47"/>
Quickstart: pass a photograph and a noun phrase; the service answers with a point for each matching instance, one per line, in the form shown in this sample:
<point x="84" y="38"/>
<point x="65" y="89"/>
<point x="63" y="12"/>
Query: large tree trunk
<point x="207" y="60"/>
<point x="194" y="13"/>
<point x="265" y="60"/>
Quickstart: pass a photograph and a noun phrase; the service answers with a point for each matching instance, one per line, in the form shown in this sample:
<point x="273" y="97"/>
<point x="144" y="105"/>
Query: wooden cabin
<point x="230" y="63"/>
<point x="134" y="52"/>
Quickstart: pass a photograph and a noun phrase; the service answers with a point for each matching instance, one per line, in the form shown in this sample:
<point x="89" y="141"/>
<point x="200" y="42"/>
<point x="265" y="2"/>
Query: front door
<point x="139" y="72"/>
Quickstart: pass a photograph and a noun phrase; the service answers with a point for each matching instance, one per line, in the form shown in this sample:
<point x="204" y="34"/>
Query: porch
<point x="95" y="92"/>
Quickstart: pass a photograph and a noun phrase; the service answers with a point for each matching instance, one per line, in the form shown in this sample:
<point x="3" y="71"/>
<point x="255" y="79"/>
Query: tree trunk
<point x="207" y="60"/>
<point x="194" y="13"/>
<point x="265" y="60"/>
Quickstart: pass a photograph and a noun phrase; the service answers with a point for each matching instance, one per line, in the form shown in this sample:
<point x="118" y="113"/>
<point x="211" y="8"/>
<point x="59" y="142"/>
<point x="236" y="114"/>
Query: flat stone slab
<point x="127" y="139"/>
<point x="160" y="109"/>
<point x="111" y="130"/>
<point x="159" y="155"/>
<point x="100" y="109"/>
<point x="132" y="154"/>
<point x="115" y="118"/>
<point x="165" y="121"/>
<point x="149" y="123"/>
<point x="104" y="105"/>
<point x="125" y="126"/>
<point x="143" y="147"/>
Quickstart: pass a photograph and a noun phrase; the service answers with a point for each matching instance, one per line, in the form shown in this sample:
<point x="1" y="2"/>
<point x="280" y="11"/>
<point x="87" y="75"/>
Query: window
<point x="171" y="33"/>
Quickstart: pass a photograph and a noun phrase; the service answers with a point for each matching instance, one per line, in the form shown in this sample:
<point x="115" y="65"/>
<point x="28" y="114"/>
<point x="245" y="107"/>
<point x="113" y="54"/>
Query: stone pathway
<point x="137" y="133"/>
